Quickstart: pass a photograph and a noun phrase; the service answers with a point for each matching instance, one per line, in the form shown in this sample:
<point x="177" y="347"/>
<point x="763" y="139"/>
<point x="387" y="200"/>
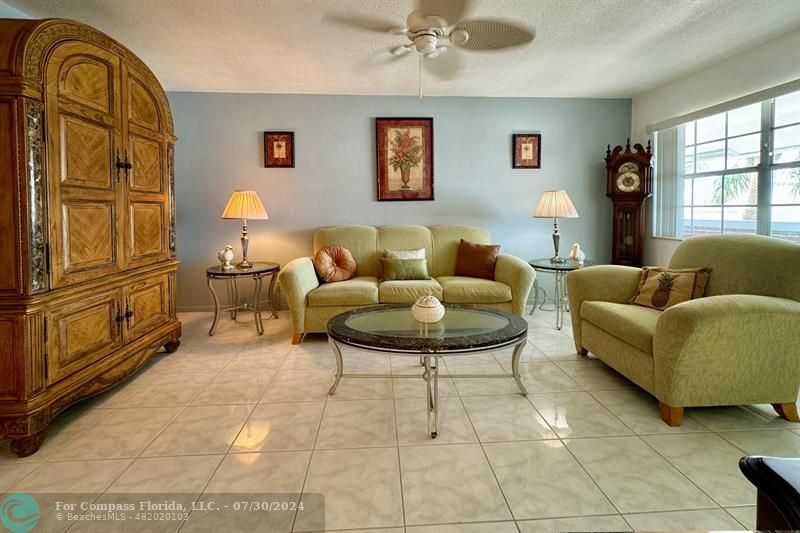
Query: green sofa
<point x="312" y="304"/>
<point x="739" y="344"/>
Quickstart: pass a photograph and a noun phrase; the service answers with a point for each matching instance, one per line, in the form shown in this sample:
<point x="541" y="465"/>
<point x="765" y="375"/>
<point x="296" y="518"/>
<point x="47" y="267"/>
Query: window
<point x="734" y="172"/>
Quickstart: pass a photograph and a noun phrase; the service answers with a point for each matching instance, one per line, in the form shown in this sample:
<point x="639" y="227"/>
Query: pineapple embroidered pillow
<point x="661" y="288"/>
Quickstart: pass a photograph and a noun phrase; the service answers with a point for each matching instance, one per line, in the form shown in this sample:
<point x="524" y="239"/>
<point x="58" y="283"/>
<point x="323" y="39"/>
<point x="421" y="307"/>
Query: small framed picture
<point x="405" y="158"/>
<point x="279" y="149"/>
<point x="526" y="150"/>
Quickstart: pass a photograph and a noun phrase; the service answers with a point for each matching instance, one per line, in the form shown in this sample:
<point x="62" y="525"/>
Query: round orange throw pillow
<point x="334" y="263"/>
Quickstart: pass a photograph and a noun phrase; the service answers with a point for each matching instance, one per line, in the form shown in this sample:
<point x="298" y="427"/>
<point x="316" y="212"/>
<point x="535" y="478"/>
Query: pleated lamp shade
<point x="555" y="204"/>
<point x="245" y="205"/>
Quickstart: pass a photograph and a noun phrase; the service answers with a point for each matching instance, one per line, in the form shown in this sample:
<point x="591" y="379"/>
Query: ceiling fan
<point x="436" y="27"/>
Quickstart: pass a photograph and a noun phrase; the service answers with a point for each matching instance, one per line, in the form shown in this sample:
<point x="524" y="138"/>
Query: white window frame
<point x="763" y="169"/>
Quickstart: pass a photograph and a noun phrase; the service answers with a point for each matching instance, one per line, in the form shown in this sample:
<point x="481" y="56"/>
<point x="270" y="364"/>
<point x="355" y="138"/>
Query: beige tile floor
<point x="586" y="450"/>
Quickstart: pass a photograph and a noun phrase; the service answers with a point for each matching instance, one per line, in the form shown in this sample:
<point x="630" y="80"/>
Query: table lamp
<point x="245" y="205"/>
<point x="555" y="205"/>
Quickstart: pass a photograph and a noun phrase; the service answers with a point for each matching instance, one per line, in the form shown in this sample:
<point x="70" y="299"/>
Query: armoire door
<point x="82" y="332"/>
<point x="84" y="111"/>
<point x="147" y="200"/>
<point x="147" y="306"/>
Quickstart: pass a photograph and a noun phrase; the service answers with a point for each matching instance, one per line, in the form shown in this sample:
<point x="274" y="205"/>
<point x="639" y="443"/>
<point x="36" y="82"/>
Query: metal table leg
<point x="559" y="297"/>
<point x="337" y="352"/>
<point x="216" y="307"/>
<point x="515" y="366"/>
<point x="232" y="303"/>
<point x="271" y="294"/>
<point x="431" y="374"/>
<point x="257" y="305"/>
<point x="235" y="298"/>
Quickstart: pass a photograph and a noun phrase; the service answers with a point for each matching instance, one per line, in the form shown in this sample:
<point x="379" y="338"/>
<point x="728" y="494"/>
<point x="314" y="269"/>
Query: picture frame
<point x="526" y="150"/>
<point x="279" y="149"/>
<point x="404" y="155"/>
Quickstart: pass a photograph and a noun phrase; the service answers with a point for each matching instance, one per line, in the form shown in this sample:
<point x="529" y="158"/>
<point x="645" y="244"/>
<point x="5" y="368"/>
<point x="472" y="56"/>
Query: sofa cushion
<point x="404" y="254"/>
<point x="661" y="288"/>
<point x="407" y="292"/>
<point x="476" y="260"/>
<point x="405" y="237"/>
<point x="362" y="290"/>
<point x="633" y="324"/>
<point x="360" y="240"/>
<point x="334" y="263"/>
<point x="462" y="290"/>
<point x="446" y="239"/>
<point x="404" y="269"/>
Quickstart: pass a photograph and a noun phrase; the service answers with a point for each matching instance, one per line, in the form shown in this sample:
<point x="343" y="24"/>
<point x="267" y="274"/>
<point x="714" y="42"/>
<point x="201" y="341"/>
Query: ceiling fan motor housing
<point x="426" y="41"/>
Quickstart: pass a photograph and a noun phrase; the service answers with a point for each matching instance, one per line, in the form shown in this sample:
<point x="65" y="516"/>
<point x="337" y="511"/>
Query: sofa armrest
<point x="518" y="275"/>
<point x="297" y="279"/>
<point x="728" y="349"/>
<point x="604" y="283"/>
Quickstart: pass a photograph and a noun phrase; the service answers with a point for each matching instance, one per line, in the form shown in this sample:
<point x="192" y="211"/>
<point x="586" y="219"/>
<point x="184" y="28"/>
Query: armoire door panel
<point x="84" y="118"/>
<point x="88" y="241"/>
<point x="82" y="332"/>
<point x="88" y="81"/>
<point x="147" y="174"/>
<point x="146" y="221"/>
<point x="86" y="154"/>
<point x="142" y="107"/>
<point x="146" y="306"/>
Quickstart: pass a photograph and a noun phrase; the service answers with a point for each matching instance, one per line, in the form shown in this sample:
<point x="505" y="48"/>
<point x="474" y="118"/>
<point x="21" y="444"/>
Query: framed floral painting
<point x="279" y="149"/>
<point x="526" y="150"/>
<point x="405" y="158"/>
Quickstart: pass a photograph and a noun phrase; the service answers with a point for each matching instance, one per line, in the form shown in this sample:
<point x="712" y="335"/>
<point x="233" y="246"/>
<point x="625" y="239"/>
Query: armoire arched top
<point x="30" y="42"/>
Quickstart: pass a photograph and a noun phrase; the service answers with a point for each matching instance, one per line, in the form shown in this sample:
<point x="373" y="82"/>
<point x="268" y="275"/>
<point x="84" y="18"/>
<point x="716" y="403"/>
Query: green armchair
<point x="739" y="344"/>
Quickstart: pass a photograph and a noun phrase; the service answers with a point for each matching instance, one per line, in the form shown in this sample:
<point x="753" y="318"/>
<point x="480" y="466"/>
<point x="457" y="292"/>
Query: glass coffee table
<point x="464" y="331"/>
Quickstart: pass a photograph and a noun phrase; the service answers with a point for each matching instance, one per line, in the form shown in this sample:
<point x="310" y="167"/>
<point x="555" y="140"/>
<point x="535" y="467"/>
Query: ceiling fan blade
<point x="360" y="22"/>
<point x="493" y="34"/>
<point x="377" y="60"/>
<point x="445" y="67"/>
<point x="450" y="10"/>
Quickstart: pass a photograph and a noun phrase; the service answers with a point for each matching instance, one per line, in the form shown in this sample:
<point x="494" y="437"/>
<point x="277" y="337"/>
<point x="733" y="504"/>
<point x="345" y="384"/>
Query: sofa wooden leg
<point x="583" y="351"/>
<point x="787" y="411"/>
<point x="672" y="416"/>
<point x="297" y="338"/>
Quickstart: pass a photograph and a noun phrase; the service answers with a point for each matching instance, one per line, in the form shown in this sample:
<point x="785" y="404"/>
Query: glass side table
<point x="257" y="273"/>
<point x="559" y="270"/>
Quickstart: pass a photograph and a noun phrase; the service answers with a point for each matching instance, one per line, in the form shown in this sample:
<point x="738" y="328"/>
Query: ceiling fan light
<point x="438" y="52"/>
<point x="425" y="44"/>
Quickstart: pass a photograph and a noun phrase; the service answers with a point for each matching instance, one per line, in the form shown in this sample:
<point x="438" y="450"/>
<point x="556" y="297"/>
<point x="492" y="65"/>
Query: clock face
<point x="628" y="179"/>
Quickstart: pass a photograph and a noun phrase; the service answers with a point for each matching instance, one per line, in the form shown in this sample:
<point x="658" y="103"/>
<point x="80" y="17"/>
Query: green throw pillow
<point x="405" y="269"/>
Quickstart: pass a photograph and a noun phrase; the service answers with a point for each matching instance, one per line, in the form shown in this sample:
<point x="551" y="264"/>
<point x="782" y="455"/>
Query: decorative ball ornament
<point x="427" y="309"/>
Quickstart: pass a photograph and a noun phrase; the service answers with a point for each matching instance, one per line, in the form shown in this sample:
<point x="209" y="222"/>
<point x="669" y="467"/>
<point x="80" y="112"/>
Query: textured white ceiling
<point x="583" y="48"/>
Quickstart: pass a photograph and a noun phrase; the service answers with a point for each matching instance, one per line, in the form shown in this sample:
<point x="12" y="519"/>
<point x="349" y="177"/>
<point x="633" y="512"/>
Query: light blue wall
<point x="220" y="149"/>
<point x="8" y="12"/>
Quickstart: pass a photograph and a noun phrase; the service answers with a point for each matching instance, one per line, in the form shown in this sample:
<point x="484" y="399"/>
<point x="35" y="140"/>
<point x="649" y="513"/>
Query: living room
<point x="413" y="265"/>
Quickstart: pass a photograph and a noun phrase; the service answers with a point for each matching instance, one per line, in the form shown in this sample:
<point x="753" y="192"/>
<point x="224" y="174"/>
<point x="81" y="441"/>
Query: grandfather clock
<point x="629" y="184"/>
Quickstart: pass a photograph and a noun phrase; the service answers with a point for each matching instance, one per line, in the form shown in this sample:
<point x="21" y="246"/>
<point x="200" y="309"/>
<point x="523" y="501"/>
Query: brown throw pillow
<point x="661" y="288"/>
<point x="476" y="260"/>
<point x="334" y="263"/>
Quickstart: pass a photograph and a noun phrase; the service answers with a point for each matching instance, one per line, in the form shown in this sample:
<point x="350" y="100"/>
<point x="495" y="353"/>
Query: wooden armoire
<point x="87" y="221"/>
